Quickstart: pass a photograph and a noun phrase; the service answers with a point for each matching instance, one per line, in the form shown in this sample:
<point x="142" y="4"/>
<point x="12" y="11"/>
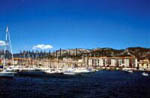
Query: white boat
<point x="5" y="73"/>
<point x="74" y="71"/>
<point x="130" y="71"/>
<point x="145" y="74"/>
<point x="69" y="71"/>
<point x="50" y="71"/>
<point x="81" y="70"/>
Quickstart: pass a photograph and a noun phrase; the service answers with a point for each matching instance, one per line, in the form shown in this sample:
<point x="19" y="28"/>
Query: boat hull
<point x="7" y="74"/>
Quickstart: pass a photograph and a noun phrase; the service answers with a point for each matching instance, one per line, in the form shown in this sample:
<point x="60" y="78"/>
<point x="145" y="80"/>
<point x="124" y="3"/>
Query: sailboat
<point x="7" y="72"/>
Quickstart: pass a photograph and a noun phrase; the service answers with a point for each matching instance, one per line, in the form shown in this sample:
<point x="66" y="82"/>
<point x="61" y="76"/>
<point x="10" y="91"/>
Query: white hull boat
<point x="81" y="70"/>
<point x="145" y="74"/>
<point x="50" y="72"/>
<point x="7" y="74"/>
<point x="69" y="73"/>
<point x="130" y="71"/>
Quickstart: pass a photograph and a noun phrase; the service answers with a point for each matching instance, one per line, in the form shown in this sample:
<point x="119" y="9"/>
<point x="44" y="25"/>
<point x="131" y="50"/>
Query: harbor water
<point x="101" y="84"/>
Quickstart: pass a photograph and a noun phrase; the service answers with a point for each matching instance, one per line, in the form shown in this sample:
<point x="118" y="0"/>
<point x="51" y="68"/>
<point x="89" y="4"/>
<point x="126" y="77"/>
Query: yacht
<point x="73" y="71"/>
<point x="6" y="73"/>
<point x="69" y="71"/>
<point x="145" y="74"/>
<point x="81" y="70"/>
<point x="130" y="71"/>
<point x="50" y="71"/>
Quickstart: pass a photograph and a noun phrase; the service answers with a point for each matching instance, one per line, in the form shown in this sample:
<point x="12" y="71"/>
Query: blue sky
<point x="76" y="23"/>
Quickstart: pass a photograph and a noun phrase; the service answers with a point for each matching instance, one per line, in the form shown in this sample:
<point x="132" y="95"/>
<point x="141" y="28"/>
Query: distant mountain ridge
<point x="138" y="52"/>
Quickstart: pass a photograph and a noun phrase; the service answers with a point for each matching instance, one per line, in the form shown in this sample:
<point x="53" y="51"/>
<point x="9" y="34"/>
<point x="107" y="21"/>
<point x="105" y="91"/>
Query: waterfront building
<point x="126" y="61"/>
<point x="144" y="64"/>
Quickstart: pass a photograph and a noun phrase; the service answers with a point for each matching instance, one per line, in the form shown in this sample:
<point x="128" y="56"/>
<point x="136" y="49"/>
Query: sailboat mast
<point x="4" y="64"/>
<point x="8" y="43"/>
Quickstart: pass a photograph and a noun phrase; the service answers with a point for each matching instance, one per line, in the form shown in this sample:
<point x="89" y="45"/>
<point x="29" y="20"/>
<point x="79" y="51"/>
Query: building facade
<point x="128" y="62"/>
<point x="144" y="64"/>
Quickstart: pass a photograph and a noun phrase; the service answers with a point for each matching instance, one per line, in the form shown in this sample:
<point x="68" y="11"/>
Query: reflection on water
<point x="102" y="84"/>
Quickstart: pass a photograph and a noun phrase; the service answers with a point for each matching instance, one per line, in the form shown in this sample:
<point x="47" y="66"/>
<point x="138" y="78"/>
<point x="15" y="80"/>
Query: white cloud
<point x="2" y="43"/>
<point x="42" y="46"/>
